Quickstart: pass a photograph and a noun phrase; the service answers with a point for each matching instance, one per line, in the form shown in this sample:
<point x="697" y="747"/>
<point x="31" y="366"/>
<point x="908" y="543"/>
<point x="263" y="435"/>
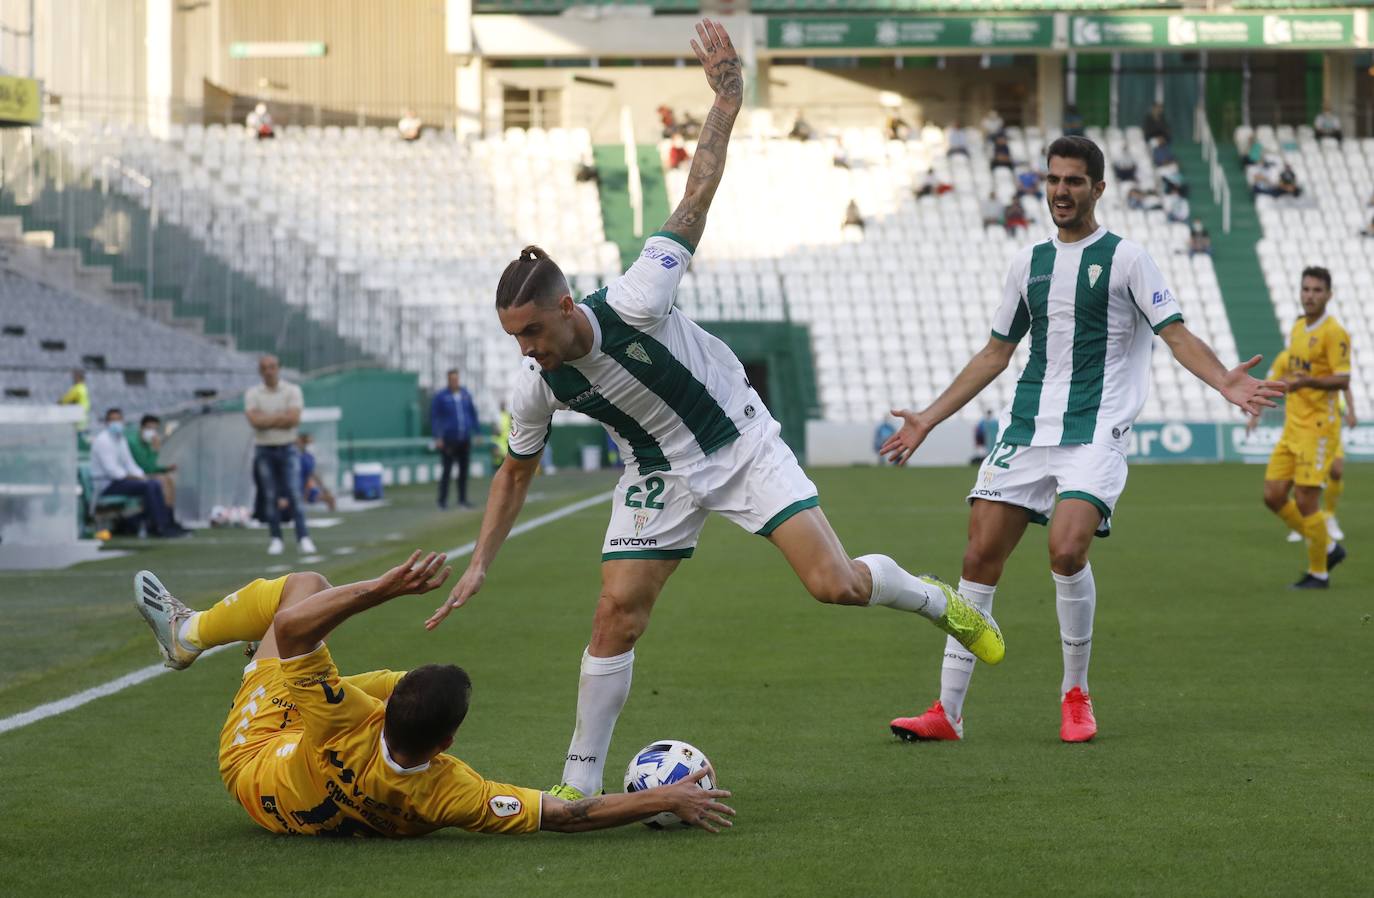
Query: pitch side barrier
<point x="831" y="444"/>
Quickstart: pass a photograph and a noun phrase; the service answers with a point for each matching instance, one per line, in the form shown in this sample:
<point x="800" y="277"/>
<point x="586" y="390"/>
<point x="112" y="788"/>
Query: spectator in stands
<point x="144" y="445"/>
<point x="956" y="140"/>
<point x="453" y="423"/>
<point x="1161" y="153"/>
<point x="853" y="218"/>
<point x="1199" y="241"/>
<point x="78" y="394"/>
<point x="410" y="127"/>
<point x="896" y="127"/>
<point x="677" y="152"/>
<point x="1124" y="168"/>
<point x="115" y="473"/>
<point x="931" y="185"/>
<point x="1156" y="124"/>
<point x="668" y="122"/>
<point x="992" y="211"/>
<point x="1028" y="183"/>
<point x="800" y="129"/>
<point x="1073" y="121"/>
<point x="1015" y="217"/>
<point x="259" y="122"/>
<point x="312" y="488"/>
<point x="984" y="436"/>
<point x="880" y="436"/>
<point x="1143" y="200"/>
<point x="1001" y="154"/>
<point x="274" y="409"/>
<point x="1254" y="155"/>
<point x="1288" y="182"/>
<point x="992" y="125"/>
<point x="1177" y="209"/>
<point x="1327" y="123"/>
<point x="587" y="172"/>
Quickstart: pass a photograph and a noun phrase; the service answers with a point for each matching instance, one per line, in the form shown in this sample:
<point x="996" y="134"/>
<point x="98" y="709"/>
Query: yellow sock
<point x="1291" y="516"/>
<point x="1314" y="528"/>
<point x="241" y="616"/>
<point x="1334" y="488"/>
<point x="376" y="683"/>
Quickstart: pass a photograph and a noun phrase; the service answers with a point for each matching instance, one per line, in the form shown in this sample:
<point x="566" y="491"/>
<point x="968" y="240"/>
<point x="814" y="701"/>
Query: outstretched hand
<point x="718" y="57"/>
<point x="898" y="447"/>
<point x="412" y="579"/>
<point x="701" y="807"/>
<point x="466" y="587"/>
<point x="1251" y="395"/>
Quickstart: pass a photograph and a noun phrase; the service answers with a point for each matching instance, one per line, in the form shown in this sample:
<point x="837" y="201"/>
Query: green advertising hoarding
<point x="1177" y="441"/>
<point x="1233" y="30"/>
<point x="910" y="32"/>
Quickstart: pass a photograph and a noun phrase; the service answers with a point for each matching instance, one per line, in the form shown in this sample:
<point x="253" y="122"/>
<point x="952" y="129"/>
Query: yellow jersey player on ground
<point x="1318" y="370"/>
<point x="308" y="751"/>
<point x="1335" y="477"/>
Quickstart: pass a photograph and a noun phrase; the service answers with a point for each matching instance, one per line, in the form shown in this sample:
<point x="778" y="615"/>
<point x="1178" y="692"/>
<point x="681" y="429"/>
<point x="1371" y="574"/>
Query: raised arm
<point x="980" y="371"/>
<point x="508" y="490"/>
<point x="723" y="72"/>
<point x="1236" y="385"/>
<point x="303" y="626"/>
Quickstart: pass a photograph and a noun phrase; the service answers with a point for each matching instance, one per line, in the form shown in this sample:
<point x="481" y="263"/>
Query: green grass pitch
<point x="1234" y="756"/>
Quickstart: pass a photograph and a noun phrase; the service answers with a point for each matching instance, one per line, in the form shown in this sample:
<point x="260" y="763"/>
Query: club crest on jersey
<point x="637" y="352"/>
<point x="641" y="518"/>
<point x="1094" y="272"/>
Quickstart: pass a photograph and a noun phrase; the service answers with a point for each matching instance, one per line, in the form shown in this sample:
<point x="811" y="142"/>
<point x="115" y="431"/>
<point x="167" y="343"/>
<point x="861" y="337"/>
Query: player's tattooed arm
<point x="726" y="77"/>
<point x="693" y="804"/>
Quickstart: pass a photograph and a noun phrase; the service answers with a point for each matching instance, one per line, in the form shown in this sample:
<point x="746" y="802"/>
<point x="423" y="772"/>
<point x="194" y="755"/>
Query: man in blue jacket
<point x="453" y="423"/>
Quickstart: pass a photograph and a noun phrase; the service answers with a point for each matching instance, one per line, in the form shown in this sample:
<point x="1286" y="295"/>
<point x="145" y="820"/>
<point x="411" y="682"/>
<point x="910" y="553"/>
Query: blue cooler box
<point x="367" y="480"/>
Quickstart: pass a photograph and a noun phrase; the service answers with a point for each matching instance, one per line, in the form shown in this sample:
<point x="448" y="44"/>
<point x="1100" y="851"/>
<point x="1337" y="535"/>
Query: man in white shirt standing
<point x="274" y="409"/>
<point x="115" y="473"/>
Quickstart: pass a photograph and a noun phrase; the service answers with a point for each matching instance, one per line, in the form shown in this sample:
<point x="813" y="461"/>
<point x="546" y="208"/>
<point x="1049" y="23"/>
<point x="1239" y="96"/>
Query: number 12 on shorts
<point x="1001" y="453"/>
<point x="652" y="490"/>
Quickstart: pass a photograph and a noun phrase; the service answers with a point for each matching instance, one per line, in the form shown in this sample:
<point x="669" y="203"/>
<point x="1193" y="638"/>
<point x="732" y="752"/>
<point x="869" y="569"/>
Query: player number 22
<point x="653" y="489"/>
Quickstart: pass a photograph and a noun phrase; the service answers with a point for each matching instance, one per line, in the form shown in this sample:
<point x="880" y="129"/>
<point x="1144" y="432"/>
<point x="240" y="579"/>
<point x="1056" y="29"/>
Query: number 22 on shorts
<point x="652" y="490"/>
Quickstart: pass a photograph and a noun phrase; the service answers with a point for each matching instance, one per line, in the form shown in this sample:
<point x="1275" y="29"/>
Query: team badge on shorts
<point x="641" y="518"/>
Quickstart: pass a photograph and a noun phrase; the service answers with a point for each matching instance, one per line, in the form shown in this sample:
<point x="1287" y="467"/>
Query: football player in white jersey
<point x="1090" y="302"/>
<point x="695" y="435"/>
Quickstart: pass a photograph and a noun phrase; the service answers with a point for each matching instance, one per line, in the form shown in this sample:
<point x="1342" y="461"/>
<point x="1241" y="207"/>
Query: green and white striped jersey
<point x="666" y="391"/>
<point x="1090" y="308"/>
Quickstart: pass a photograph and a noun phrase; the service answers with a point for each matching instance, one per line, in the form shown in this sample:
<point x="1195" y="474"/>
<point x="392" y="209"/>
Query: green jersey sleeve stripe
<point x="678" y="239"/>
<point x="653" y="365"/>
<point x="1166" y="322"/>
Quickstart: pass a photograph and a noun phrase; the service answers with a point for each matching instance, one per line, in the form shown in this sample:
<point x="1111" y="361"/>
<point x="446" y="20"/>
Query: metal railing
<point x="1216" y="176"/>
<point x="627" y="135"/>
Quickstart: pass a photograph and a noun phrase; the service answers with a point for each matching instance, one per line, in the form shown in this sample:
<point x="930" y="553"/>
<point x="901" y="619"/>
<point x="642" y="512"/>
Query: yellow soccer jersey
<point x="1279" y="369"/>
<point x="1318" y="351"/>
<point x="340" y="778"/>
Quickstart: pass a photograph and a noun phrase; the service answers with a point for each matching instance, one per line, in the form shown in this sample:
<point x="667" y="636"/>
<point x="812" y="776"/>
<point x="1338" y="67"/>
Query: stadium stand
<point x="896" y="309"/>
<point x="131" y="361"/>
<point x="396" y="244"/>
<point x="1322" y="227"/>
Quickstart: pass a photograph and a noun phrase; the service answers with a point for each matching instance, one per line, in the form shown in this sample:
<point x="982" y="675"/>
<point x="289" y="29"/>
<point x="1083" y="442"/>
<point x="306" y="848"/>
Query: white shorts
<point x="1034" y="476"/>
<point x="754" y="482"/>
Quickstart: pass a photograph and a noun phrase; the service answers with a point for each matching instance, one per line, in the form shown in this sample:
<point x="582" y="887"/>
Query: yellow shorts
<point x="1303" y="457"/>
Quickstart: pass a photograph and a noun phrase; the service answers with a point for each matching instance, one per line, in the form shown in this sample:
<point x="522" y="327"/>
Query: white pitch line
<point x="119" y="684"/>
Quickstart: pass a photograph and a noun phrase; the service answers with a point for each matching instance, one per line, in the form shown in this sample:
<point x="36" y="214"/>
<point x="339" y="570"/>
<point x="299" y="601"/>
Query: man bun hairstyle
<point x="533" y="277"/>
<point x="1075" y="147"/>
<point x="1318" y="272"/>
<point x="426" y="707"/>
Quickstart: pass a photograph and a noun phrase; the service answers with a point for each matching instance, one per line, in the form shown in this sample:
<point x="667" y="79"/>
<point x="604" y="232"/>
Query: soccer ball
<point x="661" y="764"/>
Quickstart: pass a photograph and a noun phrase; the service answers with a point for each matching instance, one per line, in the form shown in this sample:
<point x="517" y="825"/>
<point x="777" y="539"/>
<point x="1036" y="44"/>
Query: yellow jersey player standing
<point x="1318" y="370"/>
<point x="308" y="751"/>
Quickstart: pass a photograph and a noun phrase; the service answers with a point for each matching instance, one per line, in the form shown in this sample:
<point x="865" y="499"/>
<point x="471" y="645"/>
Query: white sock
<point x="601" y="693"/>
<point x="957" y="669"/>
<point x="184" y="634"/>
<point x="895" y="588"/>
<point x="1076" y="600"/>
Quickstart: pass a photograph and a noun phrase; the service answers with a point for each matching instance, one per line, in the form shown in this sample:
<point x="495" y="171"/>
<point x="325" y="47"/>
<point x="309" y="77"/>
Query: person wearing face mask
<point x="115" y="473"/>
<point x="144" y="445"/>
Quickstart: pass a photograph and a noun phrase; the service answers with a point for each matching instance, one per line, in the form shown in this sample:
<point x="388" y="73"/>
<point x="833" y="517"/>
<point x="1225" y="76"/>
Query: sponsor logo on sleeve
<point x="1162" y="297"/>
<point x="664" y="259"/>
<point x="505" y="805"/>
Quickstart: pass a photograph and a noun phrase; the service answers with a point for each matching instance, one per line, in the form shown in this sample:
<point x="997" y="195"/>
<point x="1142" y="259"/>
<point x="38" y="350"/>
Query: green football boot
<point x="974" y="630"/>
